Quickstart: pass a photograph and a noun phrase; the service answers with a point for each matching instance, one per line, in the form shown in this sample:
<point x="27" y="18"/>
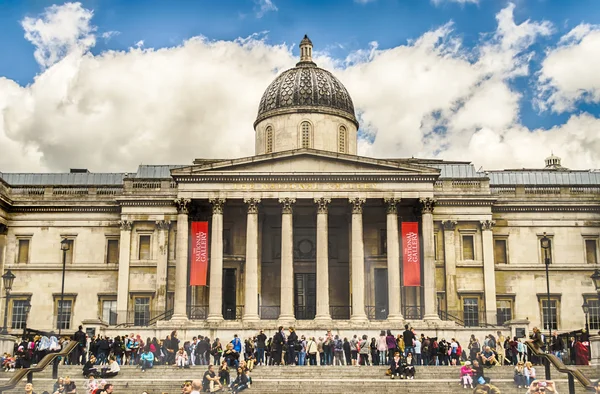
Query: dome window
<point x="305" y="128"/>
<point x="342" y="139"/>
<point x="269" y="140"/>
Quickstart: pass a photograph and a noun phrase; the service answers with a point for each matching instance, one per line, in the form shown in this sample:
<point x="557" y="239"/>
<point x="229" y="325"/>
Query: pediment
<point x="306" y="161"/>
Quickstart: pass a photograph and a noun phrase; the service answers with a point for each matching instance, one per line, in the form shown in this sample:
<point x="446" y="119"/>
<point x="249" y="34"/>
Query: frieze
<point x="546" y="209"/>
<point x="304" y="186"/>
<point x="295" y="179"/>
<point x="34" y="209"/>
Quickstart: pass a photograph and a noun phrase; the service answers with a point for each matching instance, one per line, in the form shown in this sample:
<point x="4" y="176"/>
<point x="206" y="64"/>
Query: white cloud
<point x="58" y="31"/>
<point x="461" y="2"/>
<point x="569" y="72"/>
<point x="429" y="98"/>
<point x="264" y="6"/>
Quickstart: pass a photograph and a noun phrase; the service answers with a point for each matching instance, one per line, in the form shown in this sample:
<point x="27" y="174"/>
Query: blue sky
<point x="339" y="29"/>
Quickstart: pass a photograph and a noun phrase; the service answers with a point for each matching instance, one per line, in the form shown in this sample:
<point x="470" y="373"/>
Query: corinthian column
<point x="251" y="285"/>
<point x="427" y="205"/>
<point x="450" y="265"/>
<point x="489" y="271"/>
<point x="323" y="314"/>
<point x="161" y="264"/>
<point x="181" y="263"/>
<point x="286" y="313"/>
<point x="358" y="262"/>
<point x="393" y="261"/>
<point x="123" y="280"/>
<point x="215" y="291"/>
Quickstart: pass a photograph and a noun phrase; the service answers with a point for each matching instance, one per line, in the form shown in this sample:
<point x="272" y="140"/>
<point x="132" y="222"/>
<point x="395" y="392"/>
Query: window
<point x="109" y="311"/>
<point x="549" y="313"/>
<point x="141" y="311"/>
<point x="382" y="241"/>
<point x="593" y="312"/>
<point x="500" y="255"/>
<point x="305" y="130"/>
<point x="468" y="246"/>
<point x="503" y="310"/>
<point x="112" y="251"/>
<point x="591" y="251"/>
<point x="63" y="314"/>
<point x="69" y="254"/>
<point x="269" y="140"/>
<point x="144" y="247"/>
<point x="19" y="317"/>
<point x="23" y="251"/>
<point x="471" y="311"/>
<point x="342" y="139"/>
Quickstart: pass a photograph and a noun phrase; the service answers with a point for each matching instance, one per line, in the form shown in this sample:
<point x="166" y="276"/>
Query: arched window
<point x="342" y="139"/>
<point x="306" y="131"/>
<point x="269" y="140"/>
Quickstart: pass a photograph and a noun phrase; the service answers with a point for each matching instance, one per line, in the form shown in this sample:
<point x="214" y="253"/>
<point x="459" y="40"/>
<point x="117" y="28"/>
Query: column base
<point x="215" y="318"/>
<point x="359" y="319"/>
<point x="250" y="318"/>
<point x="395" y="319"/>
<point x="286" y="320"/>
<point x="432" y="317"/>
<point x="179" y="318"/>
<point x="323" y="319"/>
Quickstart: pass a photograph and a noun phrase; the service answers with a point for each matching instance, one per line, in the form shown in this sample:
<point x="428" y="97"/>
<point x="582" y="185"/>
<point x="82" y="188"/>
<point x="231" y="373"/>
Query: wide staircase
<point x="295" y="379"/>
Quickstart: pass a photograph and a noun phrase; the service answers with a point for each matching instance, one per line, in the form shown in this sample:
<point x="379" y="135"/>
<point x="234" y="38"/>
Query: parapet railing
<point x="21" y="373"/>
<point x="572" y="373"/>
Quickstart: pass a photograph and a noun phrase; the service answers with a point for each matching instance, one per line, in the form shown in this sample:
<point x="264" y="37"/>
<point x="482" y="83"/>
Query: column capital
<point x="427" y="205"/>
<point x="163" y="225"/>
<point x="217" y="205"/>
<point x="322" y="204"/>
<point x="449" y="225"/>
<point x="287" y="204"/>
<point x="125" y="225"/>
<point x="252" y="205"/>
<point x="182" y="205"/>
<point x="357" y="204"/>
<point x="3" y="229"/>
<point x="392" y="205"/>
<point x="487" y="225"/>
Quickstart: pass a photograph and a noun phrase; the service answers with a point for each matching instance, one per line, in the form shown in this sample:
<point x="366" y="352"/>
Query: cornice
<point x="70" y="209"/>
<point x="545" y="208"/>
<point x="304" y="178"/>
<point x="465" y="202"/>
<point x="146" y="203"/>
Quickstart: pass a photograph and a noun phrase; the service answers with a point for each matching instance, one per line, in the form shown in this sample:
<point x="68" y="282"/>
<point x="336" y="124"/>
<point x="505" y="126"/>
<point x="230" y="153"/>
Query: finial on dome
<point x="306" y="51"/>
<point x="553" y="162"/>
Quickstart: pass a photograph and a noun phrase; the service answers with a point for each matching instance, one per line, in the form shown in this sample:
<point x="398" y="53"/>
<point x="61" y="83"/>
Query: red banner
<point x="411" y="254"/>
<point x="199" y="266"/>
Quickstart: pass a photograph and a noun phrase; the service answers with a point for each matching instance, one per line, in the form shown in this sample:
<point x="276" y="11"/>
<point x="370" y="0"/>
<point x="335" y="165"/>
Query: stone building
<point x="305" y="232"/>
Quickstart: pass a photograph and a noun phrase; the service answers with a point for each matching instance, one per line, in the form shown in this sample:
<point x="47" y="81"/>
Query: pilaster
<point x="123" y="275"/>
<point x="163" y="227"/>
<point x="450" y="264"/>
<point x="489" y="271"/>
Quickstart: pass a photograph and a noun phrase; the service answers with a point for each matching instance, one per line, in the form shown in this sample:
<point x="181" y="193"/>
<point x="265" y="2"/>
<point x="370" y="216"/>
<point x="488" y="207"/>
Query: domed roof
<point x="306" y="88"/>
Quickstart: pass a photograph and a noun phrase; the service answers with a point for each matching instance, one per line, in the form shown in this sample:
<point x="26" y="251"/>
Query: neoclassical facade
<point x="305" y="232"/>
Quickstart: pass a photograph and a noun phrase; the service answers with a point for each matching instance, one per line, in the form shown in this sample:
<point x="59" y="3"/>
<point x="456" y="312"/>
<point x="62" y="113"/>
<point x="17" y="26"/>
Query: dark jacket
<point x="408" y="338"/>
<point x="292" y="338"/>
<point x="260" y="340"/>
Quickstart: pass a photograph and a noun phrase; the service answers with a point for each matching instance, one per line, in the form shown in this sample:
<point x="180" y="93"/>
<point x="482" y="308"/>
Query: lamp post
<point x="545" y="244"/>
<point x="586" y="310"/>
<point x="64" y="246"/>
<point x="8" y="278"/>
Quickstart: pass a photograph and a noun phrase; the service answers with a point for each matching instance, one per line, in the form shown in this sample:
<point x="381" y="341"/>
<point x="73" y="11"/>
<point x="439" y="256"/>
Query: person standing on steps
<point x="382" y="348"/>
<point x="292" y="341"/>
<point x="261" y="340"/>
<point x="354" y="349"/>
<point x="278" y="342"/>
<point x="78" y="355"/>
<point x="409" y="340"/>
<point x="391" y="345"/>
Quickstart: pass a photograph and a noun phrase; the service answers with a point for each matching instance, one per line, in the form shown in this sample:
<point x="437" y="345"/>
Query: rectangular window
<point x="593" y="312"/>
<point x="144" y="247"/>
<point x="112" y="251"/>
<point x="109" y="311"/>
<point x="141" y="311"/>
<point x="468" y="245"/>
<point x="591" y="251"/>
<point x="503" y="311"/>
<point x="549" y="314"/>
<point x="471" y="311"/>
<point x="19" y="317"/>
<point x="70" y="251"/>
<point x="23" y="252"/>
<point x="63" y="314"/>
<point x="500" y="255"/>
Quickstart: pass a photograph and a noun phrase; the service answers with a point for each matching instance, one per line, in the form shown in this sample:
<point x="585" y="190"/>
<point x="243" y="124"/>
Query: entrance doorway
<point x="305" y="296"/>
<point x="229" y="294"/>
<point x="381" y="293"/>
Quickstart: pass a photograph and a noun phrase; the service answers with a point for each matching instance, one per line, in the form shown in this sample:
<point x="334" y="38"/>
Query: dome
<point x="306" y="88"/>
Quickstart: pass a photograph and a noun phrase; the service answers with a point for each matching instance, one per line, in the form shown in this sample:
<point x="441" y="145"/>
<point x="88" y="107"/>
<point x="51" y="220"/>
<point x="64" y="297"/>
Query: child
<point x="91" y="384"/>
<point x="466" y="375"/>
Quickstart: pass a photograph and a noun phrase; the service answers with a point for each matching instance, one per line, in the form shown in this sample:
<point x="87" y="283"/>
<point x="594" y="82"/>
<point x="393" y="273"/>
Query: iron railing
<point x="376" y="313"/>
<point x="305" y="312"/>
<point x="231" y="312"/>
<point x="269" y="312"/>
<point x="412" y="312"/>
<point x="197" y="312"/>
<point x="340" y="312"/>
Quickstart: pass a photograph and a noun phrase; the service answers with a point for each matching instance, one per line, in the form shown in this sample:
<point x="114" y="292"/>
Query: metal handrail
<point x="166" y="315"/>
<point x="21" y="373"/>
<point x="573" y="373"/>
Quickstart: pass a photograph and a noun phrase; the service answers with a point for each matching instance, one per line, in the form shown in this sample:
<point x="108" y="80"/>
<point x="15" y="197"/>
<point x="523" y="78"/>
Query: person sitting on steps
<point x="396" y="366"/>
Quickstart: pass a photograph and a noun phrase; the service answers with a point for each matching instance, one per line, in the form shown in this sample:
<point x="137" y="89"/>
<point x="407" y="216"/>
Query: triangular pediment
<point x="307" y="161"/>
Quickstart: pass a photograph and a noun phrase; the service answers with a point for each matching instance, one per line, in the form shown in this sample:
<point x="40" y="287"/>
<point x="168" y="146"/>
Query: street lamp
<point x="8" y="278"/>
<point x="586" y="310"/>
<point x="545" y="244"/>
<point x="64" y="246"/>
